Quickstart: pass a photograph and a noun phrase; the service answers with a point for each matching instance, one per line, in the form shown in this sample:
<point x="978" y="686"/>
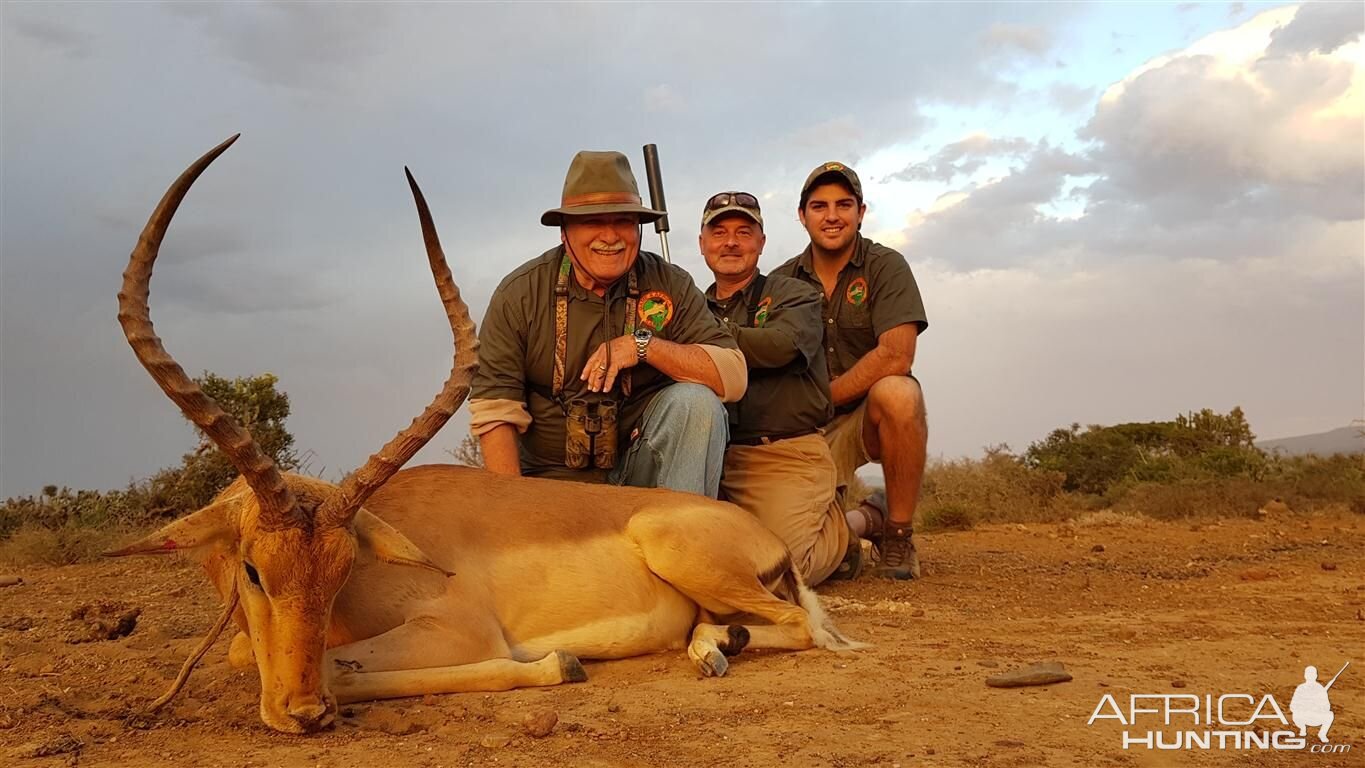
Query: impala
<point x="351" y="592"/>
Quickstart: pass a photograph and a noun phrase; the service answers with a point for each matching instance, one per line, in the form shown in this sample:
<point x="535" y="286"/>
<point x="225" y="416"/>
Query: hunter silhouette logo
<point x="656" y="309"/>
<point x="857" y="292"/>
<point x="1230" y="721"/>
<point x="761" y="316"/>
<point x="1310" y="705"/>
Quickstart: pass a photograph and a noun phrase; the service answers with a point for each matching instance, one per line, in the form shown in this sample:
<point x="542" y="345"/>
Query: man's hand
<point x="607" y="362"/>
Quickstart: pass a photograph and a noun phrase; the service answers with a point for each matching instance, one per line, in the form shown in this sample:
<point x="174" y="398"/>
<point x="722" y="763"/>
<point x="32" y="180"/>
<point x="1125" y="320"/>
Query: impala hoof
<point x="713" y="664"/>
<point x="570" y="668"/>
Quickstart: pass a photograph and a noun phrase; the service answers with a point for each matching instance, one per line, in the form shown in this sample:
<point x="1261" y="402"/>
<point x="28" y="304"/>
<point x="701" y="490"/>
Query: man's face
<point x="604" y="246"/>
<point x="832" y="216"/>
<point x="731" y="245"/>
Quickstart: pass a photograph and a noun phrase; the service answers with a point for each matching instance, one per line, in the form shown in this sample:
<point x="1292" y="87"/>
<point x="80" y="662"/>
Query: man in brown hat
<point x="778" y="466"/>
<point x="873" y="316"/>
<point x="600" y="362"/>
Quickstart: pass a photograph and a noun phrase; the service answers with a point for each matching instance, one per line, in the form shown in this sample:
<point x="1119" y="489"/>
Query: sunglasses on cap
<point x="725" y="199"/>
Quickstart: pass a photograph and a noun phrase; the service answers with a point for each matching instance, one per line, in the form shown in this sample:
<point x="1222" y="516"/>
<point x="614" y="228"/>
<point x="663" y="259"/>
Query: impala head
<point x="285" y="544"/>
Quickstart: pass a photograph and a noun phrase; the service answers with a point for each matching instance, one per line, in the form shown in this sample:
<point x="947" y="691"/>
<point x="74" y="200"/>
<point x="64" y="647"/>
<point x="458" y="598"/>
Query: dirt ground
<point x="1154" y="608"/>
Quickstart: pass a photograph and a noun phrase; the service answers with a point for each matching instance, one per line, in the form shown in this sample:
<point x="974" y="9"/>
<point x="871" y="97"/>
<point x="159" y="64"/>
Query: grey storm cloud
<point x="999" y="224"/>
<point x="1183" y="161"/>
<point x="54" y="36"/>
<point x="962" y="158"/>
<point x="298" y="252"/>
<point x="1184" y="139"/>
<point x="1320" y="27"/>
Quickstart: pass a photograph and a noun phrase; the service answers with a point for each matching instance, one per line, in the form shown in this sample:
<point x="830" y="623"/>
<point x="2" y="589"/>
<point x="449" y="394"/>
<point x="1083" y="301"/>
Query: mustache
<point x="601" y="247"/>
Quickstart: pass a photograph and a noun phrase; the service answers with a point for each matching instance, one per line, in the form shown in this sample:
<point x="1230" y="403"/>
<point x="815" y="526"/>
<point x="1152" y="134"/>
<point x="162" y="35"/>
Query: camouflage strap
<point x="562" y="323"/>
<point x="632" y="298"/>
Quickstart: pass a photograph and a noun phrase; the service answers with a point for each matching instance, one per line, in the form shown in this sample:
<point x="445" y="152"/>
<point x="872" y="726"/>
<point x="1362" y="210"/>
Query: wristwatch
<point x="642" y="338"/>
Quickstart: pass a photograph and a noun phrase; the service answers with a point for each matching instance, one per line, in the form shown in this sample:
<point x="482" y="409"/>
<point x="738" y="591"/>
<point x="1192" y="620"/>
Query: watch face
<point x="643" y="334"/>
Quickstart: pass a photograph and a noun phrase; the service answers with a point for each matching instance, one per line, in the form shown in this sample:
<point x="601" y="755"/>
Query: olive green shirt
<point x="778" y="330"/>
<point x="517" y="347"/>
<point x="875" y="293"/>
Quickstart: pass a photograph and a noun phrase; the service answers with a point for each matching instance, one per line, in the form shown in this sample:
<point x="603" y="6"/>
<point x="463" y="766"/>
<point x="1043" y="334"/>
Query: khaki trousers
<point x="844" y="434"/>
<point x="789" y="486"/>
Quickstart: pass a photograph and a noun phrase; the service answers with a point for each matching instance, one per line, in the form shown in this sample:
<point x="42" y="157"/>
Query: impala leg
<point x="723" y="586"/>
<point x="425" y="656"/>
<point x="422" y="642"/>
<point x="491" y="675"/>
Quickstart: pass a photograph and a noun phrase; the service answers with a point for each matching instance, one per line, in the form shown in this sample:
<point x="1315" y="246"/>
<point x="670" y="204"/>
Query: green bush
<point x="254" y="402"/>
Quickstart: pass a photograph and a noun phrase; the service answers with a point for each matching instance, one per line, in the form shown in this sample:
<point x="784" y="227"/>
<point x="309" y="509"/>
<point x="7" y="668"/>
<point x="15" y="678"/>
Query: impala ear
<point x="215" y="523"/>
<point x="390" y="545"/>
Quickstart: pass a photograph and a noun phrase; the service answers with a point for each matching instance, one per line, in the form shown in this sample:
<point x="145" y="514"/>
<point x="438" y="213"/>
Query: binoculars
<point x="590" y="434"/>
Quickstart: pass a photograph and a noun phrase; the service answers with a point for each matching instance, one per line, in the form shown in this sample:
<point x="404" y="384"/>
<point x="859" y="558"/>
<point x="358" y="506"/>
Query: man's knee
<point x="898" y="399"/>
<point x="690" y="402"/>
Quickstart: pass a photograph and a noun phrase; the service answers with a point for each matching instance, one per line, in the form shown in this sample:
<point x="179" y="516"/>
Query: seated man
<point x="873" y="317"/>
<point x="599" y="362"/>
<point x="778" y="466"/>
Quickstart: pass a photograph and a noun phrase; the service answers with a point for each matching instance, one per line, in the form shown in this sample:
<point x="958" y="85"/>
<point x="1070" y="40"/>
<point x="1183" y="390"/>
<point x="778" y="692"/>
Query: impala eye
<point x="252" y="574"/>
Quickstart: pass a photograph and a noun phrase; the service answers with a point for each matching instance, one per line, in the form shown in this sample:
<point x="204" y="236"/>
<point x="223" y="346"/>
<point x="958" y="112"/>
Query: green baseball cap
<point x="599" y="182"/>
<point x="838" y="170"/>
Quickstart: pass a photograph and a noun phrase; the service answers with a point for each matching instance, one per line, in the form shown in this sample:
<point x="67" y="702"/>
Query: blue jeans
<point x="681" y="445"/>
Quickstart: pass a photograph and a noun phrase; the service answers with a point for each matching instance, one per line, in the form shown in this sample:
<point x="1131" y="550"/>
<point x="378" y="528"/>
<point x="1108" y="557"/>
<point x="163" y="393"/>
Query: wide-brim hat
<point x="599" y="182"/>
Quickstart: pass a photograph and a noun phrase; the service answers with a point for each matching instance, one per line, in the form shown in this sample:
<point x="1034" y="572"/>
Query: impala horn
<point x="341" y="507"/>
<point x="278" y="508"/>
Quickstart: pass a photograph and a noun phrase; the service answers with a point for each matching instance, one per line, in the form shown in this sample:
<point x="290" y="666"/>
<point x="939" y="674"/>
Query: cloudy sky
<point x="1115" y="212"/>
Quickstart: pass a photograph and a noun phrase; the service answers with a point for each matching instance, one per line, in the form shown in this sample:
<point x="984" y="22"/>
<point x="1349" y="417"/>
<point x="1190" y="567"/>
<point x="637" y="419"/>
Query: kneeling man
<point x="873" y="317"/>
<point x="778" y="466"/>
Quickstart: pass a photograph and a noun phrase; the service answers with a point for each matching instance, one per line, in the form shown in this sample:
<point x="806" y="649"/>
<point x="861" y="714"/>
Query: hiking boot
<point x="898" y="557"/>
<point x="857" y="559"/>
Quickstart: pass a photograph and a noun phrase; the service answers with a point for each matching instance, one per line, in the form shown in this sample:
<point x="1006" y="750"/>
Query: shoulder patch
<point x="655" y="310"/>
<point x="761" y="314"/>
<point x="857" y="291"/>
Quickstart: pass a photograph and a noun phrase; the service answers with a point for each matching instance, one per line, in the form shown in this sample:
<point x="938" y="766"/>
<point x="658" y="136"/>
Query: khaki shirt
<point x="875" y="293"/>
<point x="517" y="343"/>
<point x="788" y="391"/>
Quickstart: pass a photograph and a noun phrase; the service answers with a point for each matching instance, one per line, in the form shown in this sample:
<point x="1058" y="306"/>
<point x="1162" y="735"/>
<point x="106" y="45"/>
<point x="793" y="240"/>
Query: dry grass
<point x="37" y="545"/>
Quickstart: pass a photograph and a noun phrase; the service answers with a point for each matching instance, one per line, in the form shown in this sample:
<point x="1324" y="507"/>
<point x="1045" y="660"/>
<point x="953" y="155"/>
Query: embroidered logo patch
<point x="761" y="315"/>
<point x="857" y="292"/>
<point x="655" y="310"/>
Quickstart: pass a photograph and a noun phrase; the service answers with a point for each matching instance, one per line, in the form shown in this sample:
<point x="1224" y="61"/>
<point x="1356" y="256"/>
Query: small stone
<point x="917" y="613"/>
<point x="1008" y="743"/>
<point x="1256" y="574"/>
<point x="1329" y="566"/>
<point x="930" y="752"/>
<point x="429" y="700"/>
<point x="495" y="741"/>
<point x="1045" y="673"/>
<point x="1177" y="683"/>
<point x="988" y="663"/>
<point x="613" y="707"/>
<point x="538" y="725"/>
<point x="10" y="581"/>
<point x="1096" y="548"/>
